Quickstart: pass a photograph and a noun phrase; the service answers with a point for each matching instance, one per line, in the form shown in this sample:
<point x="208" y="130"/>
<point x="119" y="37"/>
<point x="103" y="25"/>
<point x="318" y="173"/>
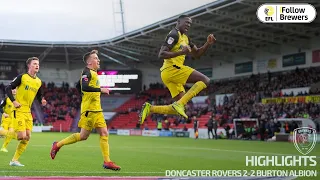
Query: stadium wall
<point x="264" y="62"/>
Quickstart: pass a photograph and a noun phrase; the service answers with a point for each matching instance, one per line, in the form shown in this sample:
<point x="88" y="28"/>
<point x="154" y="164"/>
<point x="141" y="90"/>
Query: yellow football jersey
<point x="7" y="107"/>
<point x="175" y="41"/>
<point x="28" y="88"/>
<point x="90" y="90"/>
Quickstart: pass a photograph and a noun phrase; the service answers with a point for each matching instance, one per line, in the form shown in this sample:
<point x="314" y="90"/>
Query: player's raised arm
<point x="16" y="82"/>
<point x="170" y="41"/>
<point x="198" y="52"/>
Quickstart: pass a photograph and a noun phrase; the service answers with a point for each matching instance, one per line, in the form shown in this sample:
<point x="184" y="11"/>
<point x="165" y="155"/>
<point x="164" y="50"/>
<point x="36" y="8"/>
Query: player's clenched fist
<point x="43" y="102"/>
<point x="105" y="90"/>
<point x="16" y="104"/>
<point x="186" y="49"/>
<point x="211" y="39"/>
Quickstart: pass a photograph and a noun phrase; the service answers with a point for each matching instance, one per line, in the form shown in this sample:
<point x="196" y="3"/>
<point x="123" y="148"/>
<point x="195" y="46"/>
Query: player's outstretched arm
<point x="198" y="52"/>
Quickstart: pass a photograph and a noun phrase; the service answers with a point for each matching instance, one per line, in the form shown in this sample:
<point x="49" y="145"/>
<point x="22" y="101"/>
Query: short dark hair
<point x="183" y="16"/>
<point x="31" y="59"/>
<point x="86" y="55"/>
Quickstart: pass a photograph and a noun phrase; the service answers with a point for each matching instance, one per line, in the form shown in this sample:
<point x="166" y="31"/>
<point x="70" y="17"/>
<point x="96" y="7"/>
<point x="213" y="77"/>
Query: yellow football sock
<point x="193" y="91"/>
<point x="3" y="132"/>
<point x="167" y="109"/>
<point x="73" y="138"/>
<point x="104" y="145"/>
<point x="6" y="141"/>
<point x="20" y="149"/>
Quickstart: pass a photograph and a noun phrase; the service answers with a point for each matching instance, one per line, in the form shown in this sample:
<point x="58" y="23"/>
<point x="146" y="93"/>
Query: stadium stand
<point x="245" y="102"/>
<point x="63" y="102"/>
<point x="62" y="107"/>
<point x="127" y="113"/>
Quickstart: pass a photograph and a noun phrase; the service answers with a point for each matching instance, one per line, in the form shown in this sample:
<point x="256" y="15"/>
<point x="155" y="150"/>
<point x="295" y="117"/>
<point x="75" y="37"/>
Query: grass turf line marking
<point x="190" y="148"/>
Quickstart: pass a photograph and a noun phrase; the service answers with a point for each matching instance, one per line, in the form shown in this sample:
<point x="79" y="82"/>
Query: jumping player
<point x="175" y="74"/>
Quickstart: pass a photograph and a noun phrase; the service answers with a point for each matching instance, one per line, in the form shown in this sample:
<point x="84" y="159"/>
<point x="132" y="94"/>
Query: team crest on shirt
<point x="85" y="77"/>
<point x="170" y="40"/>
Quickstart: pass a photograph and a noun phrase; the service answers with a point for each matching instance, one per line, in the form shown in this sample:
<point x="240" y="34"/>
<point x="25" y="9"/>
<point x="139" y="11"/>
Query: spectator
<point x="195" y="124"/>
<point x="210" y="126"/>
<point x="185" y="128"/>
<point x="159" y="126"/>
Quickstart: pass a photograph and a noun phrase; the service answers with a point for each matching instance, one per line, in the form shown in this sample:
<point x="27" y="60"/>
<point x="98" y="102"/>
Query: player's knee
<point x="21" y="137"/>
<point x="27" y="138"/>
<point x="206" y="81"/>
<point x="83" y="137"/>
<point x="104" y="133"/>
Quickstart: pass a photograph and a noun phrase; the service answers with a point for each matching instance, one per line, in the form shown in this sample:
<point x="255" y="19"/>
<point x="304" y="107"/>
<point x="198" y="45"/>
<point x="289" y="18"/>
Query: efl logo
<point x="269" y="12"/>
<point x="286" y="13"/>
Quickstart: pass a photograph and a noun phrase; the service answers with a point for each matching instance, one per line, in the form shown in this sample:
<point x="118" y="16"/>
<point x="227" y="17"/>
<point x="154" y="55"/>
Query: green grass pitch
<point x="140" y="156"/>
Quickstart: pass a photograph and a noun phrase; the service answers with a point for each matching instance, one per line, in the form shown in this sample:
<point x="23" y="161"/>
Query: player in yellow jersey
<point x="91" y="111"/>
<point x="175" y="74"/>
<point x="28" y="87"/>
<point x="6" y="108"/>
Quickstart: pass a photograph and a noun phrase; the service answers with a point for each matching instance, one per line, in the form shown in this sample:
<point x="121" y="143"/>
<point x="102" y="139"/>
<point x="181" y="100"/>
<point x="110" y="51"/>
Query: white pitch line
<point x="191" y="148"/>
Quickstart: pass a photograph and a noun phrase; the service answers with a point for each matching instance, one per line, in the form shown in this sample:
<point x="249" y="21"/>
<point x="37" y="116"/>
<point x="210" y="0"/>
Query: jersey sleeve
<point x="15" y="83"/>
<point x="190" y="43"/>
<point x="40" y="93"/>
<point x="2" y="104"/>
<point x="171" y="39"/>
<point x="78" y="86"/>
<point x="85" y="79"/>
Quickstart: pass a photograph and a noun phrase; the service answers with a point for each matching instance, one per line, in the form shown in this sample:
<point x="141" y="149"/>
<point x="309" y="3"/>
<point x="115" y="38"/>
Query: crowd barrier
<point x="179" y="133"/>
<point x="42" y="128"/>
<point x="203" y="133"/>
<point x="296" y="99"/>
